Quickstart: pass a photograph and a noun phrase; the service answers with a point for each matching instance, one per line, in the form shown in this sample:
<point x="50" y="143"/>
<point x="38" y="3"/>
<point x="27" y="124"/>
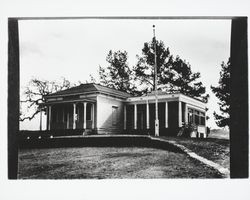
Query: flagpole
<point x="156" y="96"/>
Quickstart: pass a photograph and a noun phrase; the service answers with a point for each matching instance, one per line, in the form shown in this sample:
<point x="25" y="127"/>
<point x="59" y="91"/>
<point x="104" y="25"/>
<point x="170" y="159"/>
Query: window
<point x="202" y="118"/>
<point x="203" y="121"/>
<point x="190" y="116"/>
<point x="196" y="117"/>
<point x="114" y="115"/>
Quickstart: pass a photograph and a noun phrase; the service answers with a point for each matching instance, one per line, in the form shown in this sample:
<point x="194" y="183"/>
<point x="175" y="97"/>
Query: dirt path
<point x="216" y="150"/>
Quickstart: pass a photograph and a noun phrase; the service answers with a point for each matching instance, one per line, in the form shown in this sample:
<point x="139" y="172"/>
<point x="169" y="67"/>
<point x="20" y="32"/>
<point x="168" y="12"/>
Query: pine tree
<point x="222" y="92"/>
<point x="173" y="74"/>
<point x="117" y="75"/>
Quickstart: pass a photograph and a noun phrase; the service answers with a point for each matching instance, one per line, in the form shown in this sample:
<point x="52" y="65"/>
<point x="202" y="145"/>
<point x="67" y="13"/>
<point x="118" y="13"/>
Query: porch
<point x="71" y="115"/>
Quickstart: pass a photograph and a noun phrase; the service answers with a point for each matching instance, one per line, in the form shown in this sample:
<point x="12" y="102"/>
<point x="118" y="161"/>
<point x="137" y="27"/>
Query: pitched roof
<point x="90" y="88"/>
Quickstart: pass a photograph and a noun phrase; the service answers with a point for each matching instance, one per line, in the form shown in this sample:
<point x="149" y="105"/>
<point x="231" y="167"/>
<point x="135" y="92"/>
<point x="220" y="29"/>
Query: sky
<point x="74" y="49"/>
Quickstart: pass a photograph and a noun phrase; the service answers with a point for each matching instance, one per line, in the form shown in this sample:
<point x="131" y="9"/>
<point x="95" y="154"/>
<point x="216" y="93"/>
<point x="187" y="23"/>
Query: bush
<point x="187" y="129"/>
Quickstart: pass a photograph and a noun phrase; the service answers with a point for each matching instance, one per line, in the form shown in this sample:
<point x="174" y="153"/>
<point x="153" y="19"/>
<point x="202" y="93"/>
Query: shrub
<point x="187" y="129"/>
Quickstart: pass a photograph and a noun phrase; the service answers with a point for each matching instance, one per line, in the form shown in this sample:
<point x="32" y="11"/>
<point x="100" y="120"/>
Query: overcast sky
<point x="50" y="49"/>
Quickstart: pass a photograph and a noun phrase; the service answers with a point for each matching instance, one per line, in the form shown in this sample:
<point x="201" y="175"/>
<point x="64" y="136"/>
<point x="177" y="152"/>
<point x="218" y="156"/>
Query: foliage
<point x="34" y="94"/>
<point x="185" y="81"/>
<point x="222" y="92"/>
<point x="173" y="74"/>
<point x="118" y="74"/>
<point x="186" y="130"/>
<point x="144" y="69"/>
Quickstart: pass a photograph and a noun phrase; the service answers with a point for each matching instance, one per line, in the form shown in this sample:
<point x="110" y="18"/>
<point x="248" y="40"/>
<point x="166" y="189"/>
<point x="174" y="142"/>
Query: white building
<point x="98" y="109"/>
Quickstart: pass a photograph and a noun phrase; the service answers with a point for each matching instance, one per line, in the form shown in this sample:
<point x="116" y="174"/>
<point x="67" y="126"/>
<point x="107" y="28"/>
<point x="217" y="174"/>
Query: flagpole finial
<point x="154" y="30"/>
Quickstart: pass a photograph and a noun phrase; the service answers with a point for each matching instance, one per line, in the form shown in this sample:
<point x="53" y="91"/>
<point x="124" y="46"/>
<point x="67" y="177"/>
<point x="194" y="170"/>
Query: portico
<point x="89" y="107"/>
<point x="174" y="111"/>
<point x="71" y="115"/>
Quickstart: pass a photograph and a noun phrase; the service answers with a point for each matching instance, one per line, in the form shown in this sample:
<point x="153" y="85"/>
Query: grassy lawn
<point x="108" y="162"/>
<point x="217" y="150"/>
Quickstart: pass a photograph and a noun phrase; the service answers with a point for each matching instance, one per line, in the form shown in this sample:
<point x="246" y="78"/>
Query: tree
<point x="186" y="81"/>
<point x="173" y="74"/>
<point x="34" y="93"/>
<point x="144" y="69"/>
<point x="117" y="75"/>
<point x="222" y="92"/>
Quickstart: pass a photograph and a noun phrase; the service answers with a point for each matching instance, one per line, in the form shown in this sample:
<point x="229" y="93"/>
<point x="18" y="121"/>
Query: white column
<point x="135" y="116"/>
<point x="147" y="115"/>
<point x="205" y="124"/>
<point x="180" y="114"/>
<point x="74" y="116"/>
<point x="49" y="116"/>
<point x="93" y="116"/>
<point x="166" y="114"/>
<point x="186" y="114"/>
<point x="41" y="119"/>
<point x="67" y="120"/>
<point x="84" y="115"/>
<point x="125" y="117"/>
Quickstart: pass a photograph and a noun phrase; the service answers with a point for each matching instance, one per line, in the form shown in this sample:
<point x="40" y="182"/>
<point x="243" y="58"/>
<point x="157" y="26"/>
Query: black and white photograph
<point x="116" y="94"/>
<point x="117" y="98"/>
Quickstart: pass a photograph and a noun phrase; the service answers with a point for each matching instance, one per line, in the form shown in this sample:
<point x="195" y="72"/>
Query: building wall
<point x="110" y="115"/>
<point x="173" y="115"/>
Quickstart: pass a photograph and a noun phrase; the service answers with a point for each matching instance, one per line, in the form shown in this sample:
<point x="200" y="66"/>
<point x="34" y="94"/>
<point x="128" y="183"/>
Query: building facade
<point x="97" y="109"/>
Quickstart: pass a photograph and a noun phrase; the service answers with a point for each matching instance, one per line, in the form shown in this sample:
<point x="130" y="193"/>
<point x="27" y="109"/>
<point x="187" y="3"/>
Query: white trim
<point x="67" y="120"/>
<point x="87" y="95"/>
<point x="192" y="101"/>
<point x="147" y="115"/>
<point x="93" y="115"/>
<point x="196" y="108"/>
<point x="144" y="98"/>
<point x="186" y="113"/>
<point x="74" y="116"/>
<point x="135" y="116"/>
<point x="55" y="99"/>
<point x="180" y="113"/>
<point x="166" y="114"/>
<point x="168" y="97"/>
<point x="152" y="101"/>
<point x="66" y="95"/>
<point x="84" y="115"/>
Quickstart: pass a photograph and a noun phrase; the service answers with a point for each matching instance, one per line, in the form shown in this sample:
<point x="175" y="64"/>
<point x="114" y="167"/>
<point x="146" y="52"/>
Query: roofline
<point x="177" y="96"/>
<point x="87" y="93"/>
<point x="67" y="101"/>
<point x="176" y="93"/>
<point x="91" y="92"/>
